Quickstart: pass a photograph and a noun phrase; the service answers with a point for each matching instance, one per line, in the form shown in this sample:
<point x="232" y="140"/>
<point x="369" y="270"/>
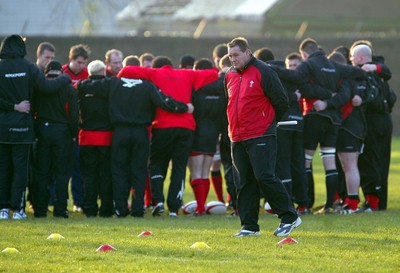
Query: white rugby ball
<point x="268" y="208"/>
<point x="215" y="207"/>
<point x="190" y="207"/>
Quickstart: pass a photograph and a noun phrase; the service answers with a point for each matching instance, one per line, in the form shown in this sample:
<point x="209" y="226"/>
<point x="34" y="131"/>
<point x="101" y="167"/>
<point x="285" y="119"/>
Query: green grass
<point x="335" y="243"/>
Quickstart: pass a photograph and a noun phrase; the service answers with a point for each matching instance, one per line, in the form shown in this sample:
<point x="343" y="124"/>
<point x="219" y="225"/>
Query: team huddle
<point x="114" y="128"/>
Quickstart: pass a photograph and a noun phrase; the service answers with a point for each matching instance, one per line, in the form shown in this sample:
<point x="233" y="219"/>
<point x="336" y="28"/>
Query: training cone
<point x="287" y="241"/>
<point x="104" y="248"/>
<point x="199" y="245"/>
<point x="145" y="233"/>
<point x="55" y="236"/>
<point x="10" y="250"/>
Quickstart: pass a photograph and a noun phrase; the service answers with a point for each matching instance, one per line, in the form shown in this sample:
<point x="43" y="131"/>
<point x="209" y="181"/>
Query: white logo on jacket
<point x="251" y="84"/>
<point x="131" y="82"/>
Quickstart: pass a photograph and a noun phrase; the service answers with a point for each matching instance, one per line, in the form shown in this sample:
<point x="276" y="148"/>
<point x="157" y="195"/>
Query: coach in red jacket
<point x="256" y="100"/>
<point x="172" y="133"/>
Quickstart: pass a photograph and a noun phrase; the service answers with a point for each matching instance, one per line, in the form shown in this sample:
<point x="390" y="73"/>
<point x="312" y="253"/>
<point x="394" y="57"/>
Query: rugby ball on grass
<point x="215" y="207"/>
<point x="190" y="207"/>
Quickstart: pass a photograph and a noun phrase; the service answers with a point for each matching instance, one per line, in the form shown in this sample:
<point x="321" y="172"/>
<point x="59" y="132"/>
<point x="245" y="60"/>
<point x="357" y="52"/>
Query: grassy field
<point x="365" y="242"/>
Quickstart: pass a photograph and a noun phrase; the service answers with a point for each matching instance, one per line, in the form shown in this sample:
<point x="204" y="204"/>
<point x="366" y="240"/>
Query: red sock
<point x="216" y="179"/>
<point x="352" y="203"/>
<point x="198" y="187"/>
<point x="373" y="201"/>
<point x="206" y="188"/>
<point x="336" y="197"/>
<point x="147" y="192"/>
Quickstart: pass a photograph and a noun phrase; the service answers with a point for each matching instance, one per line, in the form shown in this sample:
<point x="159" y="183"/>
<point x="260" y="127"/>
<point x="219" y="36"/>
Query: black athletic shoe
<point x="158" y="209"/>
<point x="61" y="215"/>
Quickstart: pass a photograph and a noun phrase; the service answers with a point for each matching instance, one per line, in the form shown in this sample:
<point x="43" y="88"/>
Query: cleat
<point x="286" y="229"/>
<point x="19" y="215"/>
<point x="367" y="208"/>
<point x="245" y="232"/>
<point x="4" y="214"/>
<point x="158" y="209"/>
<point x="324" y="211"/>
<point x="173" y="215"/>
<point x="338" y="204"/>
<point x="349" y="211"/>
<point x="346" y="210"/>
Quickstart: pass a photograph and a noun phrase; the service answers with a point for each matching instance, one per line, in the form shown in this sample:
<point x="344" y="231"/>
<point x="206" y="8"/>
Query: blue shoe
<point x="245" y="232"/>
<point x="19" y="215"/>
<point x="286" y="229"/>
<point x="4" y="214"/>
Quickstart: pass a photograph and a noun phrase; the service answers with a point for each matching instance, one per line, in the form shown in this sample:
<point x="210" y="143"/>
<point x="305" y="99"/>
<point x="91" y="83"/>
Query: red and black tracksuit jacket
<point x="256" y="87"/>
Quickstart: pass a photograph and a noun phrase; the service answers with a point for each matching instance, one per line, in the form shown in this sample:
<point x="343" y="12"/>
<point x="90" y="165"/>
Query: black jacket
<point x="318" y="77"/>
<point x="59" y="108"/>
<point x="93" y="104"/>
<point x="18" y="79"/>
<point x="132" y="102"/>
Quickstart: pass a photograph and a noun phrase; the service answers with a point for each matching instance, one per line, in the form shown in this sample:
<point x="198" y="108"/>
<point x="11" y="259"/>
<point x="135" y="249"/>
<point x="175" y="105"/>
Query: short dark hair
<point x="343" y="50"/>
<point x="225" y="61"/>
<point x="161" y="61"/>
<point x="337" y="57"/>
<point x="79" y="51"/>
<point x="187" y="61"/>
<point x="240" y="42"/>
<point x="264" y="54"/>
<point x="293" y="56"/>
<point x="220" y="50"/>
<point x="202" y="64"/>
<point x="309" y="45"/>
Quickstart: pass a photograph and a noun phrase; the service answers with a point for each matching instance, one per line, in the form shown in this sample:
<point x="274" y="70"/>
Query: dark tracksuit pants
<point x="254" y="167"/>
<point x="226" y="160"/>
<point x="52" y="162"/>
<point x="95" y="166"/>
<point x="374" y="162"/>
<point x="76" y="178"/>
<point x="169" y="144"/>
<point x="14" y="159"/>
<point x="129" y="157"/>
<point x="290" y="165"/>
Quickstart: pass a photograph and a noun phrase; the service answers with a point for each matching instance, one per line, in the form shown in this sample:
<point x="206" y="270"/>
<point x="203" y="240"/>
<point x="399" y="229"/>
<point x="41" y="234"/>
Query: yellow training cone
<point x="10" y="250"/>
<point x="199" y="245"/>
<point x="55" y="236"/>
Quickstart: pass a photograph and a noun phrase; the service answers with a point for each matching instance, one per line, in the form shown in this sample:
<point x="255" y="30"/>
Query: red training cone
<point x="287" y="241"/>
<point x="145" y="233"/>
<point x="106" y="248"/>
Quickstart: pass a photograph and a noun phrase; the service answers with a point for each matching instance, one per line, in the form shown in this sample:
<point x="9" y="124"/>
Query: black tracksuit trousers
<point x="374" y="162"/>
<point x="14" y="160"/>
<point x="290" y="165"/>
<point x="254" y="168"/>
<point x="53" y="154"/>
<point x="129" y="156"/>
<point x="95" y="164"/>
<point x="226" y="160"/>
<point x="169" y="144"/>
